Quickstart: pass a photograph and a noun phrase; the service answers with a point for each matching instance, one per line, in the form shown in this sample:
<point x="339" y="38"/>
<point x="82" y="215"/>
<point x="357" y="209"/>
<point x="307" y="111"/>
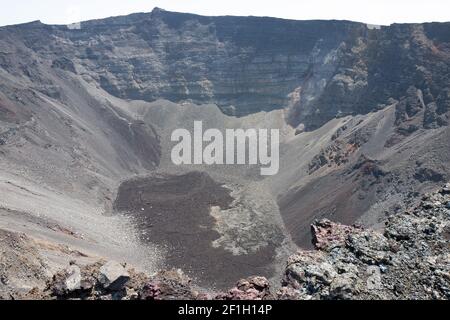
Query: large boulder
<point x="113" y="276"/>
<point x="252" y="288"/>
<point x="67" y="281"/>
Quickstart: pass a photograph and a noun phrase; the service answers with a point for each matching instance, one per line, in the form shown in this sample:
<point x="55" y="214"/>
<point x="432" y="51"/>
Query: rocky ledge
<point x="408" y="259"/>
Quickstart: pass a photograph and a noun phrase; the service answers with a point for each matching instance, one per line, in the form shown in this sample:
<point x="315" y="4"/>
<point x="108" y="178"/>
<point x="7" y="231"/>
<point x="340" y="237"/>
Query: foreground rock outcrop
<point x="319" y="69"/>
<point x="409" y="259"/>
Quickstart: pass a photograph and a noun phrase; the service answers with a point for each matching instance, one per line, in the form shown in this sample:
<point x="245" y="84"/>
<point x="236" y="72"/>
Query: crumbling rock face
<point x="89" y="283"/>
<point x="318" y="69"/>
<point x="21" y="266"/>
<point x="410" y="260"/>
<point x="335" y="154"/>
<point x="69" y="121"/>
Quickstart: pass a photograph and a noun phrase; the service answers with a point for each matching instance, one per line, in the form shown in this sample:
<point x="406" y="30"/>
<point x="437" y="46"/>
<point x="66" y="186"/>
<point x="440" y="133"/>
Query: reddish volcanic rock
<point x="253" y="288"/>
<point x="328" y="235"/>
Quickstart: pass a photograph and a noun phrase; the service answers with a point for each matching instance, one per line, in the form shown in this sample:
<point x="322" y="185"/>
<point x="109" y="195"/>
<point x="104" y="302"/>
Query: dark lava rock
<point x="320" y="69"/>
<point x="176" y="208"/>
<point x="410" y="260"/>
<point x="67" y="281"/>
<point x="168" y="285"/>
<point x="253" y="288"/>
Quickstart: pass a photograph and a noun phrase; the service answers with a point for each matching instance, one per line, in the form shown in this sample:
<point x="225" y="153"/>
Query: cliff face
<point x="318" y="69"/>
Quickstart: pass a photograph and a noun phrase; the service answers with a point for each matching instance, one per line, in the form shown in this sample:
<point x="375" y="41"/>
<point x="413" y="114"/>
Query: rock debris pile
<point x="409" y="259"/>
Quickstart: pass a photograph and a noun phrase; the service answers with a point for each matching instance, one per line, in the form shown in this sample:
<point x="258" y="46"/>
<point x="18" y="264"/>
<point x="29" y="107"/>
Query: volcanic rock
<point x="113" y="276"/>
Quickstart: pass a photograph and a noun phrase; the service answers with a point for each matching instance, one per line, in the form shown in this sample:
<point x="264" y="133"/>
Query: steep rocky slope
<point x="86" y="113"/>
<point x="410" y="259"/>
<point x="356" y="174"/>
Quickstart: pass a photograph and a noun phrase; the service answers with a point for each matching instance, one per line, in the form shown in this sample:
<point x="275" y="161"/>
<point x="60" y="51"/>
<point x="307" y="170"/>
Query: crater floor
<point x="174" y="212"/>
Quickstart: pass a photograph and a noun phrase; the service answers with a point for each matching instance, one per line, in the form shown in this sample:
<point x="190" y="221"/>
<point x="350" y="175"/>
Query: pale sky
<point x="370" y="11"/>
